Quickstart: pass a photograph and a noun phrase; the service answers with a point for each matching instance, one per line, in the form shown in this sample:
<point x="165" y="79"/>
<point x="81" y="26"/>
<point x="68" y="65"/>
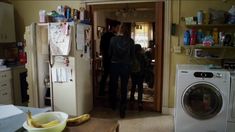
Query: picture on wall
<point x="100" y="31"/>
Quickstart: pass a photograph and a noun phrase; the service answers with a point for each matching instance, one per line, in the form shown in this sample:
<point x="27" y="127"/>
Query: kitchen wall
<point x="185" y="8"/>
<point x="27" y="11"/>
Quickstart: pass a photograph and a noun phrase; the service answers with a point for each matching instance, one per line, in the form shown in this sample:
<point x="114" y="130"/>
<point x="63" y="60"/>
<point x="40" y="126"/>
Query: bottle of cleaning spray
<point x="187" y="37"/>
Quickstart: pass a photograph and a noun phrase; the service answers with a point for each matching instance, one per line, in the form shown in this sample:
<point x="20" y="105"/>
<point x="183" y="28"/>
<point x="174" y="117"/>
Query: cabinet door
<point x="5" y="92"/>
<point x="7" y="24"/>
<point x="5" y="75"/>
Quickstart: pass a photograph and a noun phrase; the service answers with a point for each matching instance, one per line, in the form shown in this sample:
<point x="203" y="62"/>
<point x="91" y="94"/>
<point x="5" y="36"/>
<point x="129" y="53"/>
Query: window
<point x="142" y="33"/>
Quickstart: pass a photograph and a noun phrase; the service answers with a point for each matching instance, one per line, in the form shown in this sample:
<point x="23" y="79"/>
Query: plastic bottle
<point x="200" y="36"/>
<point x="68" y="13"/>
<point x="82" y="14"/>
<point x="60" y="10"/>
<point x="200" y="17"/>
<point x="221" y="38"/>
<point x="186" y="37"/>
<point x="232" y="15"/>
<point x="206" y="19"/>
<point x="193" y="37"/>
<point x="215" y="36"/>
<point x="42" y="16"/>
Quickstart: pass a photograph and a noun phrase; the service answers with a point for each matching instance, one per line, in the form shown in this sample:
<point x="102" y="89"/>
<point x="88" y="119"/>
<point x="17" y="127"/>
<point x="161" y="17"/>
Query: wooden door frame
<point x="165" y="72"/>
<point x="159" y="41"/>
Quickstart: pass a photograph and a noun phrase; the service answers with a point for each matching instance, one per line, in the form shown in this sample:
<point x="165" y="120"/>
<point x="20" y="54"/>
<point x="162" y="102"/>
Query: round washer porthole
<point x="202" y="101"/>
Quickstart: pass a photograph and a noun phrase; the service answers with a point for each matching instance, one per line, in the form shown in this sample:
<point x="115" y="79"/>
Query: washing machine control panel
<point x="218" y="75"/>
<point x="204" y="74"/>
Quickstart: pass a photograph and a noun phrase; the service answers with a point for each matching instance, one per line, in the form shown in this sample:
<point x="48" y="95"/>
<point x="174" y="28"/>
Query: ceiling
<point x="134" y="11"/>
<point x="137" y="6"/>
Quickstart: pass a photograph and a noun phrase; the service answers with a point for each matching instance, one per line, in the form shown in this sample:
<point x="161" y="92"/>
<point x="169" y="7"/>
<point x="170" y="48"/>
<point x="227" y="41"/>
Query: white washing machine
<point x="231" y="106"/>
<point x="202" y="97"/>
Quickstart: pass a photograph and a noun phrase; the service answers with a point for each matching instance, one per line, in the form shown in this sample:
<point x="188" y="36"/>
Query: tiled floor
<point x="138" y="121"/>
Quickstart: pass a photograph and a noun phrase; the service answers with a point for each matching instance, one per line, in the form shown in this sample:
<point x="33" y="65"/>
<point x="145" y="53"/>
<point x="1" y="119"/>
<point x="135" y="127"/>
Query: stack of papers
<point x="8" y="111"/>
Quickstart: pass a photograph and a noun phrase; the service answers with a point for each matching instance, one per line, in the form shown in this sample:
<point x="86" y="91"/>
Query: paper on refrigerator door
<point x="61" y="74"/>
<point x="69" y="74"/>
<point x="59" y="38"/>
<point x="54" y="77"/>
<point x="80" y="37"/>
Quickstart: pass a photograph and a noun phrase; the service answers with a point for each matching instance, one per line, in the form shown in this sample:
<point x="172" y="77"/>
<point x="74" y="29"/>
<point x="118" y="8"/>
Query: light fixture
<point x="125" y="12"/>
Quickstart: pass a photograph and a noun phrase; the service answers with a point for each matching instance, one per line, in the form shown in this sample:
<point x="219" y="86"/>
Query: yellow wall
<point x="185" y="8"/>
<point x="27" y="11"/>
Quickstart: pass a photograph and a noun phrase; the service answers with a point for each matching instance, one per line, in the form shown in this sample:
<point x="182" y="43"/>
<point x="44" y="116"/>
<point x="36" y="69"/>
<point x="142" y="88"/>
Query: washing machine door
<point x="202" y="101"/>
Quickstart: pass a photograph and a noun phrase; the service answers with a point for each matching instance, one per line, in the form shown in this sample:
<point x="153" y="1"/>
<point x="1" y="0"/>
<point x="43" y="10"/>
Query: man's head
<point x="138" y="48"/>
<point x="126" y="29"/>
<point x="114" y="26"/>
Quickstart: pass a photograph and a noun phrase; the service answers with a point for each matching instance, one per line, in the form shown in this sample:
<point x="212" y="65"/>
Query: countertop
<point x="4" y="68"/>
<point x="14" y="123"/>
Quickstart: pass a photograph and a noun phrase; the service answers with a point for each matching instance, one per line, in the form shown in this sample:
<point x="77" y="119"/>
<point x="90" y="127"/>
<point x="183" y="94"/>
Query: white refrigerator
<point x="70" y="71"/>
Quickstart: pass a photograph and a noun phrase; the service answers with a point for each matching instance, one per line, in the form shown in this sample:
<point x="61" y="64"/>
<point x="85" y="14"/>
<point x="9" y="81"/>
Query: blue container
<point x="68" y="13"/>
<point x="187" y="37"/>
<point x="200" y="36"/>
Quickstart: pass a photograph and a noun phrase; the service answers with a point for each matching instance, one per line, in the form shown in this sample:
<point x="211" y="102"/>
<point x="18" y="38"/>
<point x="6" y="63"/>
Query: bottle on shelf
<point x="187" y="37"/>
<point x="206" y="19"/>
<point x="200" y="17"/>
<point x="215" y="36"/>
<point x="200" y="36"/>
<point x="221" y="38"/>
<point x="193" y="36"/>
<point x="232" y="15"/>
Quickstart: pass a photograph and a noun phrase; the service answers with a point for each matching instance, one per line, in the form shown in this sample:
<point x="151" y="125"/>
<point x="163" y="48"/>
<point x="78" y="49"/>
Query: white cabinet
<point x="7" y="24"/>
<point x="5" y="87"/>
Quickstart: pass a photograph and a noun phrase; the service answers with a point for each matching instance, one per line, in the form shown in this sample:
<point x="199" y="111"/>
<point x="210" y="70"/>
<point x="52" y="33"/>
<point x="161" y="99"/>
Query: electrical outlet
<point x="177" y="49"/>
<point x="187" y="51"/>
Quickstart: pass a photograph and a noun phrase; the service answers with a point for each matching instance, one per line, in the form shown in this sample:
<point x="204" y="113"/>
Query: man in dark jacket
<point x="122" y="53"/>
<point x="104" y="48"/>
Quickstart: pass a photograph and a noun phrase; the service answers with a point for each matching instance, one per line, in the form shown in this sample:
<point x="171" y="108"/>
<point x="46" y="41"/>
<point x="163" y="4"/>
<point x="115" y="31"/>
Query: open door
<point x="158" y="34"/>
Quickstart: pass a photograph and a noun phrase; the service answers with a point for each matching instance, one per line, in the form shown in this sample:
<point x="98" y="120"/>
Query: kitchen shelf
<point x="211" y="25"/>
<point x="200" y="46"/>
<point x="211" y="58"/>
<point x="215" y="52"/>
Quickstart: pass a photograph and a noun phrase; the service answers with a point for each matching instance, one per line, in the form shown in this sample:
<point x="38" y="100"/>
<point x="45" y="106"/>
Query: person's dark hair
<point x="138" y="48"/>
<point x="114" y="24"/>
<point x="126" y="29"/>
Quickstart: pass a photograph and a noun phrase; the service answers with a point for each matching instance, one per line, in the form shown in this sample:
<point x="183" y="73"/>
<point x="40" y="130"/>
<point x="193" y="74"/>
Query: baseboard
<point x="172" y="111"/>
<point x="168" y="111"/>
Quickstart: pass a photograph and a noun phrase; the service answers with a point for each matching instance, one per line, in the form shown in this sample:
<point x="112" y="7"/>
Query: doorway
<point x="147" y="29"/>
